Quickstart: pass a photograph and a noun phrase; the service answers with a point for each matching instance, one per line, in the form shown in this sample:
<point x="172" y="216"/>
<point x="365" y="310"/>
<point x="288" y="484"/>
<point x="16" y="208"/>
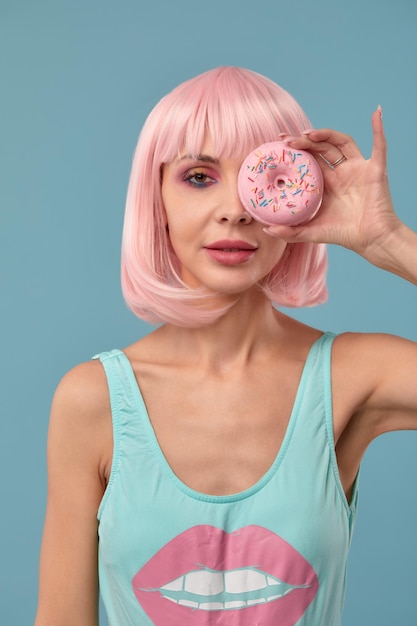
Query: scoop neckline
<point x="270" y="472"/>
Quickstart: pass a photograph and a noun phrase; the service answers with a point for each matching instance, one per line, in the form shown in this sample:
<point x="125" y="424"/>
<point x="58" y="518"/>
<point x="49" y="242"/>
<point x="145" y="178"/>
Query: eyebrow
<point x="205" y="158"/>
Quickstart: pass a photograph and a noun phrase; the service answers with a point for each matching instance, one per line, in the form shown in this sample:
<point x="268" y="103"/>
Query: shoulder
<point x="83" y="389"/>
<point x="80" y="419"/>
<point x="373" y="372"/>
<point x="362" y="358"/>
<point x="371" y="350"/>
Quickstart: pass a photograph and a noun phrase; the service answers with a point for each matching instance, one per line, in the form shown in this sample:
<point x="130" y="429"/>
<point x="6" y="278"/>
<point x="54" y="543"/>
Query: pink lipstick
<point x="230" y="251"/>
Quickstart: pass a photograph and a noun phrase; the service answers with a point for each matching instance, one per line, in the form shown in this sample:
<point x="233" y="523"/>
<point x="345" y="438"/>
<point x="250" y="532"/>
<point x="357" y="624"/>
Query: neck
<point x="233" y="340"/>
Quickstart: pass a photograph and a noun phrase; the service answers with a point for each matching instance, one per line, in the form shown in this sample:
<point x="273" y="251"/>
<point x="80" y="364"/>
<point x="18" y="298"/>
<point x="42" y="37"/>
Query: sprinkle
<point x="251" y="180"/>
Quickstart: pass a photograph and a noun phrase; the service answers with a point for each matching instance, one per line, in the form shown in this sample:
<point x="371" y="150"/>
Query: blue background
<point x="78" y="78"/>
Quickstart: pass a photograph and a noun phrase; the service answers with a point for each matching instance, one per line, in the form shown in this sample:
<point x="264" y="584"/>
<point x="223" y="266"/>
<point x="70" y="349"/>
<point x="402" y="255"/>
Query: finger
<point x="379" y="149"/>
<point x="329" y="150"/>
<point x="344" y="143"/>
<point x="289" y="234"/>
<point x="296" y="234"/>
<point x="325" y="152"/>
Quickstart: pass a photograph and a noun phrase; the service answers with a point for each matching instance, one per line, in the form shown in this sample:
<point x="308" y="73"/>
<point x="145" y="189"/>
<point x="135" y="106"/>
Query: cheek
<point x="182" y="234"/>
<point x="276" y="250"/>
<point x="186" y="223"/>
<point x="179" y="211"/>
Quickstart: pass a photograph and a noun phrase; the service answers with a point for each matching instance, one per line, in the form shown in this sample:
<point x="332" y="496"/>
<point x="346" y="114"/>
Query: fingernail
<point x="307" y="131"/>
<point x="268" y="232"/>
<point x="287" y="138"/>
<point x="379" y="109"/>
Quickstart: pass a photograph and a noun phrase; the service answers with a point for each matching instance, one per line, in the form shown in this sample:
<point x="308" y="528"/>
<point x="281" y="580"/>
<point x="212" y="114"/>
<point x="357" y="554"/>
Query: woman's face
<point x="218" y="244"/>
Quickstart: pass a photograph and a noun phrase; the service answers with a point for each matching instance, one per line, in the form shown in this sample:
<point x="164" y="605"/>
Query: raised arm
<point x="77" y="445"/>
<point x="375" y="375"/>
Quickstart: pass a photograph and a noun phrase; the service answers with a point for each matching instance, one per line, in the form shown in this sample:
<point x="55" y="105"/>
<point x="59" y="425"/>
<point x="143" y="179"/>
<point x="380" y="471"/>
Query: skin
<point x="221" y="396"/>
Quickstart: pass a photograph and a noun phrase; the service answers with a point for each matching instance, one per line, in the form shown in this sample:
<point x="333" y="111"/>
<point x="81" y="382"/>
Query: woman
<point x="216" y="458"/>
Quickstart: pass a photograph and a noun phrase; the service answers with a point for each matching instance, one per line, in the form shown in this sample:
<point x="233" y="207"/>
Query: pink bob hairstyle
<point x="240" y="109"/>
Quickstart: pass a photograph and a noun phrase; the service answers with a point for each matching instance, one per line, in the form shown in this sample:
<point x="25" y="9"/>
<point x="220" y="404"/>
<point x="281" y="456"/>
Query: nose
<point x="232" y="210"/>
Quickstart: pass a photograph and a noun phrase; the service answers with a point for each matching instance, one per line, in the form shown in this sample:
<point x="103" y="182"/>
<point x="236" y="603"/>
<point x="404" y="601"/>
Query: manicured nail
<point x="287" y="138"/>
<point x="379" y="109"/>
<point x="284" y="137"/>
<point x="307" y="131"/>
<point x="269" y="232"/>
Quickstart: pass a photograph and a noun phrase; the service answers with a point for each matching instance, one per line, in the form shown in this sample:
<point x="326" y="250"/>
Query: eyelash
<point x="209" y="180"/>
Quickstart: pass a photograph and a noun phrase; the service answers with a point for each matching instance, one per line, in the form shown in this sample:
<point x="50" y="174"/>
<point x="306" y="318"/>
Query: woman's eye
<point x="199" y="179"/>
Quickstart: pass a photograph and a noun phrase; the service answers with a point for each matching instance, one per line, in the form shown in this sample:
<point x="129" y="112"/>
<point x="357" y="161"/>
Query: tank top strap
<point x="127" y="413"/>
<point x="312" y="437"/>
<point x="316" y="382"/>
<point x="313" y="401"/>
<point x="120" y="381"/>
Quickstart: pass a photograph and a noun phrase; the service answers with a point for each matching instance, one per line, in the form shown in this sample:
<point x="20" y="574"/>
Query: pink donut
<point x="280" y="185"/>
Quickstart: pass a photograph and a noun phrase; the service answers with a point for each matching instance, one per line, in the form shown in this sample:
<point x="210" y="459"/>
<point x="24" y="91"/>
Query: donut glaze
<point x="280" y="185"/>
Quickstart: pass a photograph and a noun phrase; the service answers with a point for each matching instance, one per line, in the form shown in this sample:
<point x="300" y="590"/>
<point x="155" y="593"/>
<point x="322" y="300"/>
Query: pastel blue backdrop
<point x="78" y="78"/>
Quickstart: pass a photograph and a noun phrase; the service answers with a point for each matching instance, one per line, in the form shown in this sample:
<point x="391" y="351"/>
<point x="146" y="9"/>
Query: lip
<point x="235" y="244"/>
<point x="230" y="251"/>
<point x="213" y="551"/>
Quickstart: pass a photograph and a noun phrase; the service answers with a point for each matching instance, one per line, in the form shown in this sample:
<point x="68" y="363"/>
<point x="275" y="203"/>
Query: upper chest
<point x="220" y="434"/>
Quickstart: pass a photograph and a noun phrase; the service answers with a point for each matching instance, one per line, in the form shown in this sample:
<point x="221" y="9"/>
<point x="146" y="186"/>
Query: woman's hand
<point x="357" y="210"/>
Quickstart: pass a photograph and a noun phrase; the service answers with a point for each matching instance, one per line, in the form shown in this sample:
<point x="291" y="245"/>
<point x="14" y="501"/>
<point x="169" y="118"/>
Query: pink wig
<point x="240" y="110"/>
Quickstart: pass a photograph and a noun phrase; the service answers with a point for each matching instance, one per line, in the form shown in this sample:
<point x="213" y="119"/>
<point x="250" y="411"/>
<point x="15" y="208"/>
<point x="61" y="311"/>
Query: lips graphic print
<point x="205" y="576"/>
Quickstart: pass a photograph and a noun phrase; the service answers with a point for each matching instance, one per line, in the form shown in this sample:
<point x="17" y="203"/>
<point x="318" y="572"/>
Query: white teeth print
<point x="212" y="590"/>
<point x="204" y="583"/>
<point x="175" y="585"/>
<point x="245" y="580"/>
<point x="190" y="603"/>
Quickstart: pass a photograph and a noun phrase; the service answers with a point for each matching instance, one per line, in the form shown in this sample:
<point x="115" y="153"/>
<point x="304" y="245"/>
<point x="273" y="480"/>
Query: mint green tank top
<point x="273" y="555"/>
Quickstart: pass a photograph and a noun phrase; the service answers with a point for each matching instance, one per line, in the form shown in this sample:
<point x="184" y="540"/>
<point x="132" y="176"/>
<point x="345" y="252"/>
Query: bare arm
<point x="77" y="444"/>
<point x="358" y="213"/>
<point x="399" y="253"/>
<point x="374" y="392"/>
<point x="375" y="376"/>
<point x="376" y="380"/>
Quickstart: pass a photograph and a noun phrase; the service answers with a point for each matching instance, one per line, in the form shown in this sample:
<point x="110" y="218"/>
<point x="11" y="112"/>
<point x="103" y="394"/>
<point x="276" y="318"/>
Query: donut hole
<point x="281" y="183"/>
